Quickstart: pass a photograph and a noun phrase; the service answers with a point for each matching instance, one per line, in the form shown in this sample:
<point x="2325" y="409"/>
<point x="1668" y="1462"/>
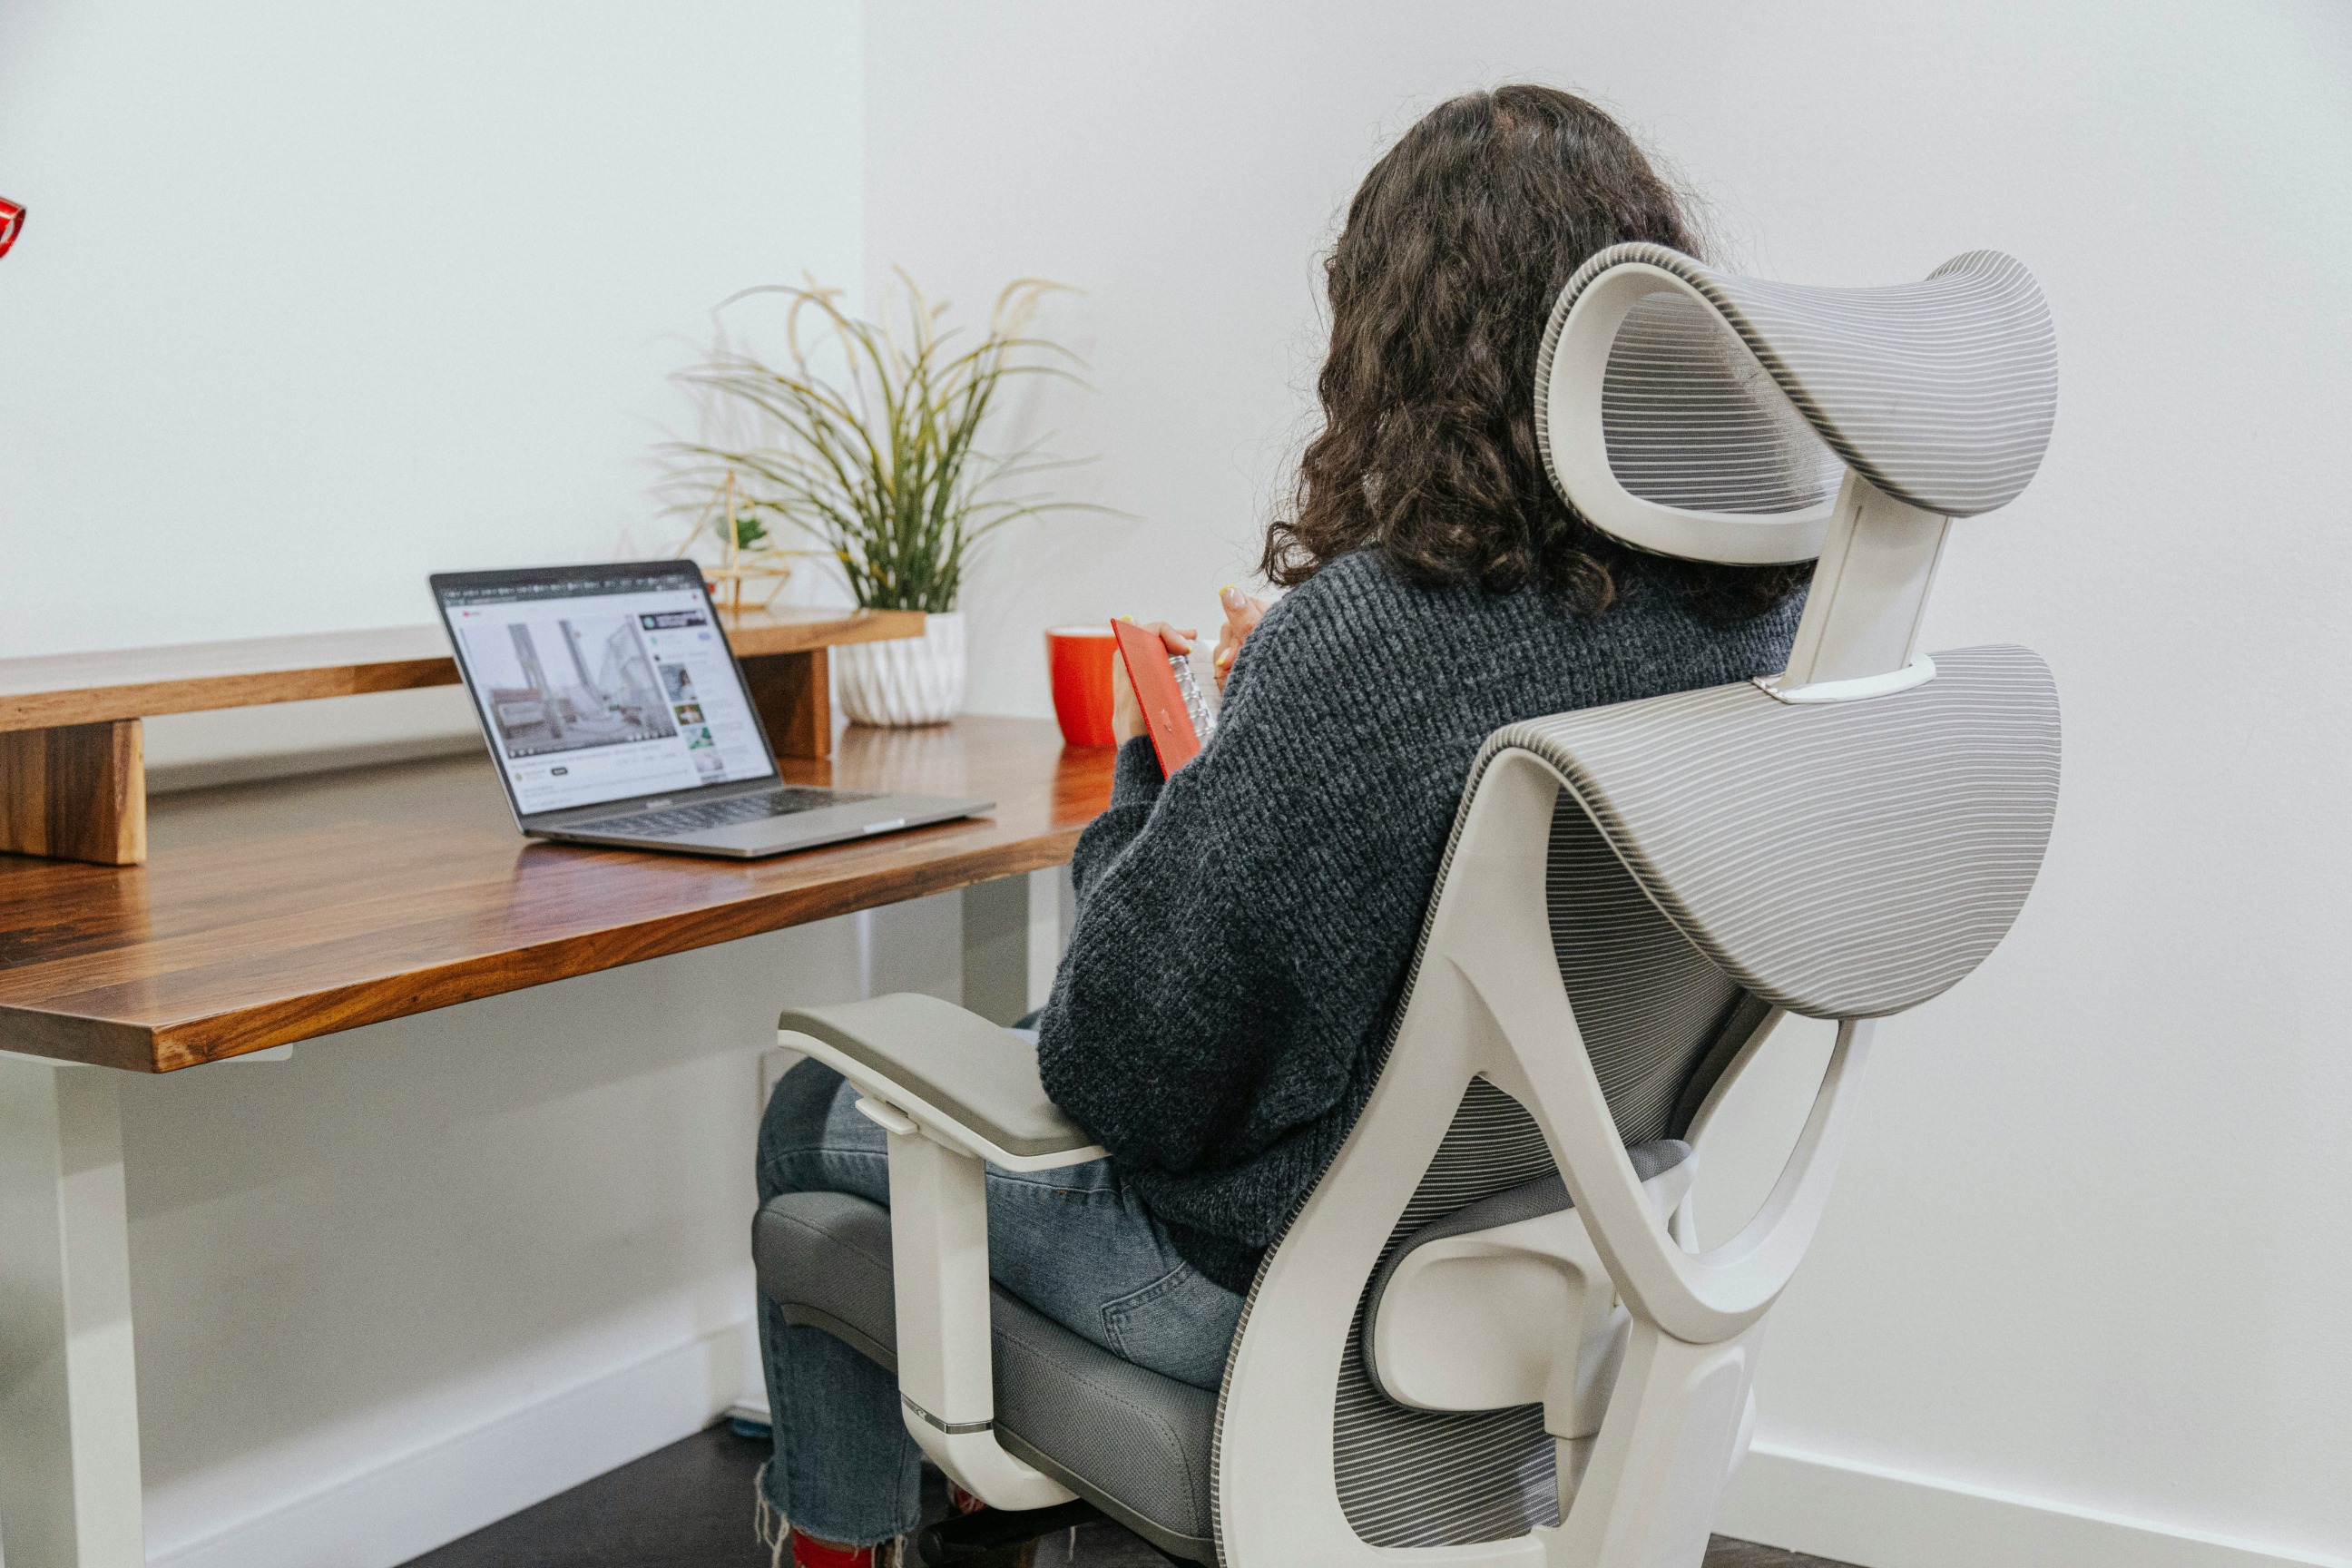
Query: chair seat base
<point x="1130" y="1442"/>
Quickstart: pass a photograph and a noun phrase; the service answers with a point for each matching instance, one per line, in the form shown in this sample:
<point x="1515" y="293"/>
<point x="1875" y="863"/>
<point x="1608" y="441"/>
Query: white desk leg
<point x="996" y="949"/>
<point x="1053" y="910"/>
<point x="1013" y="932"/>
<point x="69" y="1396"/>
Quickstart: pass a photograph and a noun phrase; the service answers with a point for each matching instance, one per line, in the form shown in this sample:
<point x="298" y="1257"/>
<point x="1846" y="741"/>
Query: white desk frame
<point x="69" y="1481"/>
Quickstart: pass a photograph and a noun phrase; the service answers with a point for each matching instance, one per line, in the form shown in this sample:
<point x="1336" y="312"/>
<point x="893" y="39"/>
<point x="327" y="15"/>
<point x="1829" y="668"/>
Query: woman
<point x="1245" y="927"/>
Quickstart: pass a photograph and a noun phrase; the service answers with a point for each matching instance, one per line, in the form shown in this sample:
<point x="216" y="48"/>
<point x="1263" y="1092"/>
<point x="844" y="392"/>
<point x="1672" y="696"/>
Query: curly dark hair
<point x="1454" y="249"/>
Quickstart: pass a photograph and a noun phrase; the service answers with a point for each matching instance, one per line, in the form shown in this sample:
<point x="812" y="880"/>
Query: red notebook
<point x="1154" y="680"/>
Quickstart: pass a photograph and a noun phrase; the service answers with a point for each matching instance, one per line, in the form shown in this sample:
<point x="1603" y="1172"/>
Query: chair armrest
<point x="952" y="1090"/>
<point x="960" y="1077"/>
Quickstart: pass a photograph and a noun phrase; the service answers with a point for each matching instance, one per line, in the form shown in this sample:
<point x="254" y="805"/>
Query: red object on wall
<point x="1079" y="657"/>
<point x="12" y="223"/>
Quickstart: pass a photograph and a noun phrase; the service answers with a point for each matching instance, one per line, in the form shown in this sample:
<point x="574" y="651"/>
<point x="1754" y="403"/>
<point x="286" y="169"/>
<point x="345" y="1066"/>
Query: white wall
<point x="2092" y="1252"/>
<point x="313" y="300"/>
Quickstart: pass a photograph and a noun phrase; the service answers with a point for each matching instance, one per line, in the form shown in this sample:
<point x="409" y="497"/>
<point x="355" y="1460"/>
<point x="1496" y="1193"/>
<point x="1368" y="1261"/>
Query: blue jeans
<point x="1073" y="1243"/>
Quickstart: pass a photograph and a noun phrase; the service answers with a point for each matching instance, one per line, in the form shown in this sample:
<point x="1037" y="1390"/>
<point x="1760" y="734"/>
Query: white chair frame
<point x="1649" y="1403"/>
<point x="1641" y="1465"/>
<point x="1642" y="1490"/>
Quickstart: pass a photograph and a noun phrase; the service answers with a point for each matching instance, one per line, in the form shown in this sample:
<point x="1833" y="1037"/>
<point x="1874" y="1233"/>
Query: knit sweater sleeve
<point x="1241" y="924"/>
<point x="1134" y="787"/>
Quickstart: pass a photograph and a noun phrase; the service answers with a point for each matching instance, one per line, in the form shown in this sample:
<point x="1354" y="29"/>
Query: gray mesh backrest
<point x="1648" y="1004"/>
<point x="1714" y="851"/>
<point x="1839" y="859"/>
<point x="1691" y="420"/>
<point x="1651" y="1008"/>
<point x="1423" y="1478"/>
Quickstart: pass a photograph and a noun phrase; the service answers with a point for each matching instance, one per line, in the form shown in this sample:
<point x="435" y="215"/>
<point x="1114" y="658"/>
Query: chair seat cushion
<point x="1133" y="1443"/>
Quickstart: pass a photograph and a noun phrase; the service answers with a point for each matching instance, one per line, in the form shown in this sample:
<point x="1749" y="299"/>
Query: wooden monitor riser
<point x="73" y="781"/>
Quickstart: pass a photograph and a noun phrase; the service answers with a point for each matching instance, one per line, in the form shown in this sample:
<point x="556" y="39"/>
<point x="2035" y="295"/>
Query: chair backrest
<point x="1714" y="858"/>
<point x="1837" y="846"/>
<point x="1654" y="1011"/>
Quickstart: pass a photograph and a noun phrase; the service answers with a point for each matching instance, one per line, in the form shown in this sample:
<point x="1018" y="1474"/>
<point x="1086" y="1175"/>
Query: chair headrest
<point x="1693" y="413"/>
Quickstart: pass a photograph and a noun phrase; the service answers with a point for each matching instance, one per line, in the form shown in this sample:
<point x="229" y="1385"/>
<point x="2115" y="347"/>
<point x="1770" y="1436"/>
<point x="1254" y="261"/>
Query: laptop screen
<point x="601" y="683"/>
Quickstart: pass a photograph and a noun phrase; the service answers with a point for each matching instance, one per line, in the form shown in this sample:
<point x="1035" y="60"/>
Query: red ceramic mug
<point x="1079" y="658"/>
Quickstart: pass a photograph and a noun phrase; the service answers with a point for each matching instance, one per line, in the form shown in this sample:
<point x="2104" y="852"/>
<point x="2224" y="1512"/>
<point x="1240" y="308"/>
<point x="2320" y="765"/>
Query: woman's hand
<point x="1242" y="617"/>
<point x="1126" y="712"/>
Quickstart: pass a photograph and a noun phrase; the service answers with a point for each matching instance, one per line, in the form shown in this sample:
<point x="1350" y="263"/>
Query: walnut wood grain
<point x="793" y="692"/>
<point x="280" y="912"/>
<point x="75" y="793"/>
<point x="190" y="678"/>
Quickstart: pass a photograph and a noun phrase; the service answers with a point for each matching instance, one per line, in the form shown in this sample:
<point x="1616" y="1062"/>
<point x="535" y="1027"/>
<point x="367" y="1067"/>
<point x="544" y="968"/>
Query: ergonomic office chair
<point x="1489" y="1333"/>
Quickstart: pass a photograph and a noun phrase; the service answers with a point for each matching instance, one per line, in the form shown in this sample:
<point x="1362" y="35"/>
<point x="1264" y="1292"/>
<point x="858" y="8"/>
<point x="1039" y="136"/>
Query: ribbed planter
<point x="907" y="681"/>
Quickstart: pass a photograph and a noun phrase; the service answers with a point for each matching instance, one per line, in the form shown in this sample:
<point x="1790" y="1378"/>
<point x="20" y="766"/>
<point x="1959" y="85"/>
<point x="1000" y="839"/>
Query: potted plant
<point x="878" y="456"/>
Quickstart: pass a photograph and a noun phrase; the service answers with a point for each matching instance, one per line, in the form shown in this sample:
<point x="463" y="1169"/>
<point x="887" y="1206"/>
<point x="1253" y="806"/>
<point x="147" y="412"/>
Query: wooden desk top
<point x="189" y="678"/>
<point x="280" y="911"/>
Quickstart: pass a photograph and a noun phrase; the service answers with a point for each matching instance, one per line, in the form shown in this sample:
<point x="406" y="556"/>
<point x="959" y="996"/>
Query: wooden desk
<point x="280" y="911"/>
<point x="72" y="779"/>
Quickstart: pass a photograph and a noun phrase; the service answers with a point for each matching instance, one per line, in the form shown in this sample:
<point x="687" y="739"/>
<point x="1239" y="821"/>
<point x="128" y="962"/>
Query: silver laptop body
<point x="617" y="715"/>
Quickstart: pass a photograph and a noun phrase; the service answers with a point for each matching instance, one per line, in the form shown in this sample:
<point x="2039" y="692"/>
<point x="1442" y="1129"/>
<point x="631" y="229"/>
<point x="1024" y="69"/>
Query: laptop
<point x="617" y="715"/>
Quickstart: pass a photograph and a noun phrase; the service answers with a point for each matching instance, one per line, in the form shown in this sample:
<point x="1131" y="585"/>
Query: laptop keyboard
<point x="683" y="819"/>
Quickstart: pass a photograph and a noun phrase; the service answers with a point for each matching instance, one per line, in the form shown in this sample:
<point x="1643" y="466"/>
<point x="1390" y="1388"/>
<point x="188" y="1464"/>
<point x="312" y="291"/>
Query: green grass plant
<point x="868" y="437"/>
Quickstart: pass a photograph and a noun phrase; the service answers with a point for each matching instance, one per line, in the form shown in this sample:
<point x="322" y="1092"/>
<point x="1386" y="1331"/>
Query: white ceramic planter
<point x="907" y="681"/>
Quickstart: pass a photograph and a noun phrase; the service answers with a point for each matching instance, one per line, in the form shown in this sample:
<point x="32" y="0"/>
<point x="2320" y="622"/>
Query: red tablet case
<point x="1172" y="735"/>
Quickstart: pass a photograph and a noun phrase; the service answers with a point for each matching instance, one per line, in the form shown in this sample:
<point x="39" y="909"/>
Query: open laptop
<point x="617" y="715"/>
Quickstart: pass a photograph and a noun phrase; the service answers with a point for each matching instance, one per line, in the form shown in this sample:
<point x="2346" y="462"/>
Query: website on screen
<point x="598" y="691"/>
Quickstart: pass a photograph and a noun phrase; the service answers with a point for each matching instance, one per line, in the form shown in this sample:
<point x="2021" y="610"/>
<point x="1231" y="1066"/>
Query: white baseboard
<point x="431" y="1496"/>
<point x="1877" y="1518"/>
<point x="1849" y="1512"/>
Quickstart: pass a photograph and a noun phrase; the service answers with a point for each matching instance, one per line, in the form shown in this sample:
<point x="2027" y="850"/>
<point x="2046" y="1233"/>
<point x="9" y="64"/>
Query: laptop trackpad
<point x="833" y="823"/>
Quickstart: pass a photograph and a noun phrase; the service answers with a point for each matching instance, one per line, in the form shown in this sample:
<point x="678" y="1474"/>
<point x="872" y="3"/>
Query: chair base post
<point x="1675" y="1430"/>
<point x="985" y="1537"/>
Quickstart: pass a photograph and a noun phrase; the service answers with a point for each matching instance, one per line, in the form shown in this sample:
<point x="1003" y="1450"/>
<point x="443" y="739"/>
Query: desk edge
<point x="192" y="1042"/>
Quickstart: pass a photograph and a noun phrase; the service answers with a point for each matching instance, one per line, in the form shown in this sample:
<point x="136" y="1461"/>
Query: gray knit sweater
<point x="1245" y="927"/>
